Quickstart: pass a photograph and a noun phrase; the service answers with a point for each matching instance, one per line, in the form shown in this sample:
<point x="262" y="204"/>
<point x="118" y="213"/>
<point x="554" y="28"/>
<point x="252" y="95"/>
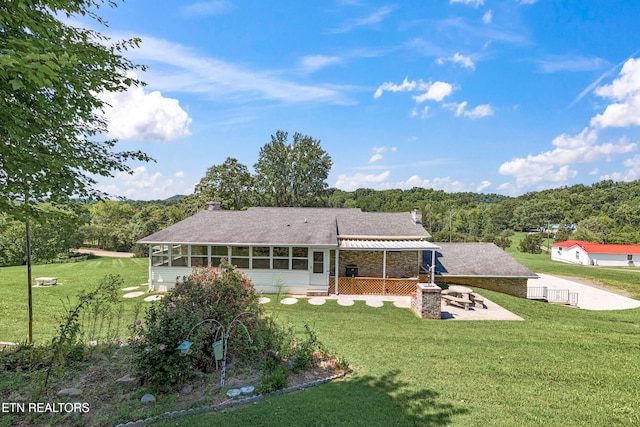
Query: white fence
<point x="552" y="295"/>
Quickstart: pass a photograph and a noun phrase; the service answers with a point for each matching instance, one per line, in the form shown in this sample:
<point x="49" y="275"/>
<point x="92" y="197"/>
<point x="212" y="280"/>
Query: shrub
<point x="208" y="293"/>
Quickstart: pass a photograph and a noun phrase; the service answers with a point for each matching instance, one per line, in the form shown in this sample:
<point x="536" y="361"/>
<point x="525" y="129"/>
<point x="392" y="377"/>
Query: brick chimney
<point x="416" y="215"/>
<point x="213" y="206"/>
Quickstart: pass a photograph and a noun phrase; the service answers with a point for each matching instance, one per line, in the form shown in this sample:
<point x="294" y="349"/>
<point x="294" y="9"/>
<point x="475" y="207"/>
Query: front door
<point x="320" y="267"/>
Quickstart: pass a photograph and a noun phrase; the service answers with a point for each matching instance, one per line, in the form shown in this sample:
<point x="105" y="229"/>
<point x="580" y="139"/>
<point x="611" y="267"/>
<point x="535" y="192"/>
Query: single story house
<point x="296" y="250"/>
<point x="483" y="265"/>
<point x="586" y="253"/>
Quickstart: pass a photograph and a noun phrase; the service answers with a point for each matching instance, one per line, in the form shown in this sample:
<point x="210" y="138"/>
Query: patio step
<point x="317" y="292"/>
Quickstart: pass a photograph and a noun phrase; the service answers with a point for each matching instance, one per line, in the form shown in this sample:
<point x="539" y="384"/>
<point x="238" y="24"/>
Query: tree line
<point x="605" y="212"/>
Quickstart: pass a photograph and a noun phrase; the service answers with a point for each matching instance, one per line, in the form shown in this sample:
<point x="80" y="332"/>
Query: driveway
<point x="589" y="297"/>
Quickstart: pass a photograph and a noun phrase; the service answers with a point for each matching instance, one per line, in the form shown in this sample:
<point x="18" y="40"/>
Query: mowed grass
<point x="52" y="302"/>
<point x="560" y="367"/>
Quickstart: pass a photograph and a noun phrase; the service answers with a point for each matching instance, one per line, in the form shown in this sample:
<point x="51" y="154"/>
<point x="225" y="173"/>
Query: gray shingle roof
<point x="286" y="226"/>
<point x="476" y="259"/>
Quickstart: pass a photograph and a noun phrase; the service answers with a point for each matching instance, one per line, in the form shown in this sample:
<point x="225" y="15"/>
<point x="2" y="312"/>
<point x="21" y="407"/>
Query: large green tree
<point x="51" y="121"/>
<point x="229" y="183"/>
<point x="292" y="174"/>
<point x="51" y="115"/>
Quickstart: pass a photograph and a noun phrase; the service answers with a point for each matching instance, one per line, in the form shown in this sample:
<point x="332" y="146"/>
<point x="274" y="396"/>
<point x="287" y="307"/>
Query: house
<point x="296" y="250"/>
<point x="586" y="253"/>
<point x="483" y="265"/>
<point x="554" y="228"/>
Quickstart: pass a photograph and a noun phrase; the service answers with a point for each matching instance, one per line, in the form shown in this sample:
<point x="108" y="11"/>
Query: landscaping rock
<point x="247" y="390"/>
<point x="148" y="399"/>
<point x="70" y="392"/>
<point x="188" y="389"/>
<point x="234" y="392"/>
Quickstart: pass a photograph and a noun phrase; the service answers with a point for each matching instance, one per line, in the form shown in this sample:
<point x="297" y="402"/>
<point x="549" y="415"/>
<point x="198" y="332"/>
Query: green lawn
<point x="561" y="366"/>
<point x="49" y="302"/>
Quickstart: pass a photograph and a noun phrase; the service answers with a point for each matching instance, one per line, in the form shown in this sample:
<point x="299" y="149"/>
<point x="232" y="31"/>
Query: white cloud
<point x="375" y="158"/>
<point x="474" y="3"/>
<point x="145" y="185"/>
<point x="405" y="86"/>
<point x="554" y="167"/>
<point x="460" y="110"/>
<point x="432" y="91"/>
<point x="137" y="114"/>
<point x="487" y="17"/>
<point x="631" y="174"/>
<point x="435" y="92"/>
<point x="483" y="186"/>
<point x="371" y="19"/>
<point x="176" y="68"/>
<point x="313" y="63"/>
<point x="626" y="91"/>
<point x="359" y="180"/>
<point x="457" y="58"/>
<point x="441" y="183"/>
<point x="423" y="114"/>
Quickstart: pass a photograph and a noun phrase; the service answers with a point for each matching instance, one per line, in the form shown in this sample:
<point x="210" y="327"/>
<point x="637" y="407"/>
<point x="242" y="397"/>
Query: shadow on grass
<point x="357" y="400"/>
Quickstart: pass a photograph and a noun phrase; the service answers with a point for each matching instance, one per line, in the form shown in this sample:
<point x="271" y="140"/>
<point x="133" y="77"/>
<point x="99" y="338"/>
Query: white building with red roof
<point x="586" y="253"/>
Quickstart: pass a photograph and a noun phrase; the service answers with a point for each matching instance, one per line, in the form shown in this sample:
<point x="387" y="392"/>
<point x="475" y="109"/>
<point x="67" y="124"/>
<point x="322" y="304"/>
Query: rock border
<point x="231" y="403"/>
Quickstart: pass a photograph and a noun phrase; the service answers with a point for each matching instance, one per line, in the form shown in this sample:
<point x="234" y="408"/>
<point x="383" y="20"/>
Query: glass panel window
<point x="240" y="251"/>
<point x="300" y="252"/>
<point x="240" y="262"/>
<point x="318" y="262"/>
<point x="218" y="253"/>
<point x="179" y="255"/>
<point x="262" y="263"/>
<point x="300" y="260"/>
<point x="219" y="250"/>
<point x="198" y="255"/>
<point x="240" y="256"/>
<point x="260" y="257"/>
<point x="281" y="263"/>
<point x="261" y="251"/>
<point x="281" y="251"/>
<point x="299" y="264"/>
<point x="160" y="255"/>
<point x="281" y="257"/>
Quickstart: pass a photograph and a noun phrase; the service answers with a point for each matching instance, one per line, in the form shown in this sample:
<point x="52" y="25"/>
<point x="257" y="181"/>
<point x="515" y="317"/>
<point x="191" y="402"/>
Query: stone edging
<point x="231" y="403"/>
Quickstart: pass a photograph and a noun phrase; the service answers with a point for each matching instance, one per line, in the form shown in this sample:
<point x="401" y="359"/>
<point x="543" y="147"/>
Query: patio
<point x="492" y="312"/>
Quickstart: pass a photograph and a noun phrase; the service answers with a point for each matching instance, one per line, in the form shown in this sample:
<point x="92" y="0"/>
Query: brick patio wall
<point x="425" y="301"/>
<point x="399" y="263"/>
<point x="510" y="286"/>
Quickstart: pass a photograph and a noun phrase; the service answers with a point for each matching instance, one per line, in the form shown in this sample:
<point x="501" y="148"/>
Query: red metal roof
<point x="599" y="247"/>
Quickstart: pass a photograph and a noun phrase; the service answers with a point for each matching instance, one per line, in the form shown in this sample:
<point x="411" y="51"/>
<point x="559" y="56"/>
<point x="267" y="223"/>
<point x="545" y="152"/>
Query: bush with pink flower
<point x="208" y="293"/>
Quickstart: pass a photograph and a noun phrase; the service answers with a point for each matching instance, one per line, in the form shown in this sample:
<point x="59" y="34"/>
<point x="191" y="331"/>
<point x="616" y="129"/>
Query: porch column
<point x="384" y="264"/>
<point x="433" y="266"/>
<point x="337" y="270"/>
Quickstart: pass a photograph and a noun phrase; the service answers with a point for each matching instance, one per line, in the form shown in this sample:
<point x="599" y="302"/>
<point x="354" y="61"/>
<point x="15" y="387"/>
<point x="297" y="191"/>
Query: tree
<point x="292" y="174"/>
<point x="531" y="243"/>
<point x="51" y="75"/>
<point x="230" y="183"/>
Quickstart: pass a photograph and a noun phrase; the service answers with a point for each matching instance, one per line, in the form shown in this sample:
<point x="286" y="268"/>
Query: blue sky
<point x="462" y="95"/>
